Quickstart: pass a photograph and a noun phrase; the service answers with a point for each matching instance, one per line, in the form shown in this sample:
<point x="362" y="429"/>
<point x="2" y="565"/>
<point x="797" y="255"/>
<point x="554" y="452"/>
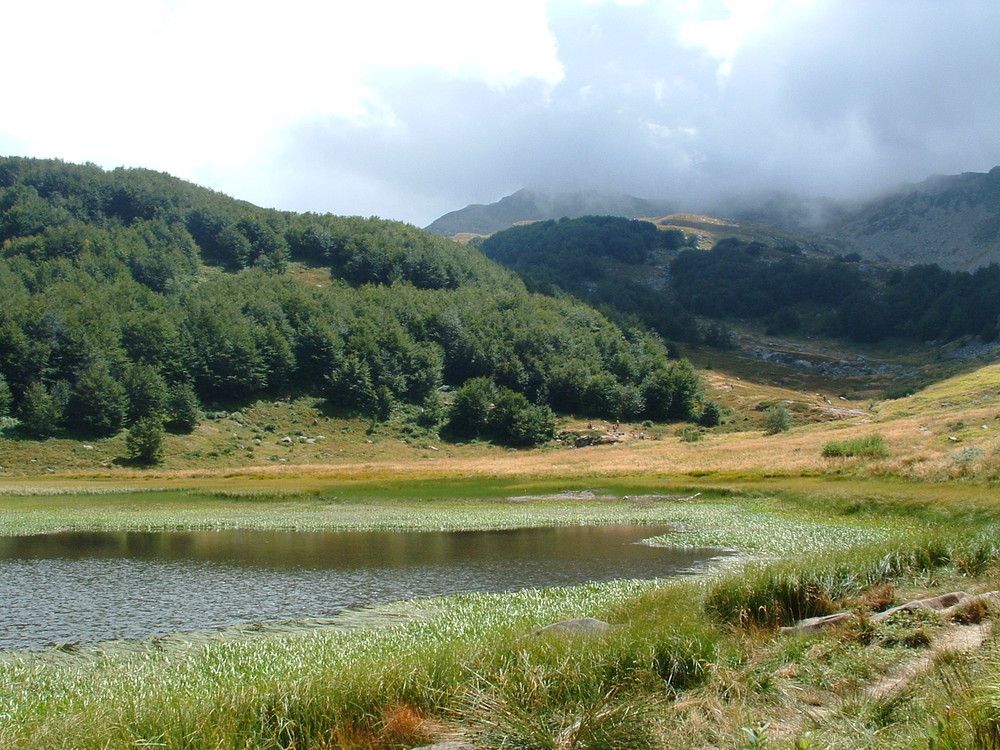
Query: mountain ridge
<point x="949" y="220"/>
<point x="533" y="205"/>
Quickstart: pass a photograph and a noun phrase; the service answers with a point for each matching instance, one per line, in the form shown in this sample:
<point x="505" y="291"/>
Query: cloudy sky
<point x="407" y="110"/>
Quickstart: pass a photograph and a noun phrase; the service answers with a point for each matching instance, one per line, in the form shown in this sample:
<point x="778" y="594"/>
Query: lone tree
<point x="145" y="440"/>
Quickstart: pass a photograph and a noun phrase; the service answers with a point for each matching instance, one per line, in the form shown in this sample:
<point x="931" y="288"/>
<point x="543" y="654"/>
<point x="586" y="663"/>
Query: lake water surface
<point x="91" y="587"/>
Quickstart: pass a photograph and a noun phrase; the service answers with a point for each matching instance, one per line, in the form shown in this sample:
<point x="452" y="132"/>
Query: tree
<point x="672" y="392"/>
<point x="182" y="408"/>
<point x="98" y="402"/>
<point x="144" y="440"/>
<point x="6" y="398"/>
<point x="470" y="410"/>
<point x="711" y="414"/>
<point x="146" y="392"/>
<point x="39" y="411"/>
<point x="351" y="385"/>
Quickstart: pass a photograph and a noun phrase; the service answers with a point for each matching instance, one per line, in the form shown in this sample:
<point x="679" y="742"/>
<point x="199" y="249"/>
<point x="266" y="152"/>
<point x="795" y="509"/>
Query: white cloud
<point x="199" y="86"/>
<point x="408" y="110"/>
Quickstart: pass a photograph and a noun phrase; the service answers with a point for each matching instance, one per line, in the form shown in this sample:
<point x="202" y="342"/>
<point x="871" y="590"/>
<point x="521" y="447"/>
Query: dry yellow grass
<point x="948" y="431"/>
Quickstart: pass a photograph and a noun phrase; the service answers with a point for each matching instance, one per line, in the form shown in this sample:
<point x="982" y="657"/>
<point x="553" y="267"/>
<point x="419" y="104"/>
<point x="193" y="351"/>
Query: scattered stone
<point x="286" y="440"/>
<point x="579" y="626"/>
<point x="935" y="603"/>
<point x="88" y="447"/>
<point x="813" y="624"/>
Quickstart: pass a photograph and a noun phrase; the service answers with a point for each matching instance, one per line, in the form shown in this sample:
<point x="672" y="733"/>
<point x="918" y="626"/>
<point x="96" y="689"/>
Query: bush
<point x="516" y="421"/>
<point x="777" y="419"/>
<point x="690" y="434"/>
<point x="870" y="446"/>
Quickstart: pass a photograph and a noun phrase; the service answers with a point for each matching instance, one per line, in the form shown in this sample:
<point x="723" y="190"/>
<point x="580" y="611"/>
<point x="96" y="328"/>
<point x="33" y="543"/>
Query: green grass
<point x="690" y="660"/>
<point x="870" y="446"/>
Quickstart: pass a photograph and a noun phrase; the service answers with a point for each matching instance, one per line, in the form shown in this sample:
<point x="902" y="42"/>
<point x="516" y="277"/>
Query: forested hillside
<point x="634" y="271"/>
<point x="131" y="297"/>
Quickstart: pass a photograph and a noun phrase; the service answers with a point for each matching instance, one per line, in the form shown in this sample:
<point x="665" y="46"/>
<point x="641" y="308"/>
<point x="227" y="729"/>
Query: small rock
<point x="285" y="440"/>
<point x="88" y="447"/>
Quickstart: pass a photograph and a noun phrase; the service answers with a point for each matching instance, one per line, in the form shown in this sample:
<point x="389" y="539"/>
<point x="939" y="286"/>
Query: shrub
<point x="690" y="434"/>
<point x="777" y="419"/>
<point x="870" y="446"/>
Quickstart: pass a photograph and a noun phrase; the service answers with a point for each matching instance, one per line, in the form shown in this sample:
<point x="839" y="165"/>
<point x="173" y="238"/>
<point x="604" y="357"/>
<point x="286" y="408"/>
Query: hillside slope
<point x="131" y="296"/>
<point x="953" y="221"/>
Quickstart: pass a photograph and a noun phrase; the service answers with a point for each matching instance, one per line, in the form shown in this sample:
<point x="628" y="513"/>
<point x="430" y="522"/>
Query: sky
<point x="407" y="110"/>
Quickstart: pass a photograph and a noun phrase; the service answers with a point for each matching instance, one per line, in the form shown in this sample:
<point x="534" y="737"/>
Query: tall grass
<point x="784" y="592"/>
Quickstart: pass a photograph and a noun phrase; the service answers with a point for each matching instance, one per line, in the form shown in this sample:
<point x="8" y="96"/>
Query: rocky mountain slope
<point x="953" y="220"/>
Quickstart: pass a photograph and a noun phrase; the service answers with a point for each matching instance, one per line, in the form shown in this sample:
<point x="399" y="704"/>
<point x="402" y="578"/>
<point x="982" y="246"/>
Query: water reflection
<point x="88" y="587"/>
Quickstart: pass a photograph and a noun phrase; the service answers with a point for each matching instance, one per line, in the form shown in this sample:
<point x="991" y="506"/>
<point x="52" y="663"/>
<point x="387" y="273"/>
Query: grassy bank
<point x="691" y="663"/>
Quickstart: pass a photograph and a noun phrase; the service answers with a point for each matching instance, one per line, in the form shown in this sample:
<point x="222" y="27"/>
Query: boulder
<point x="935" y="603"/>
<point x="990" y="600"/>
<point x="813" y="624"/>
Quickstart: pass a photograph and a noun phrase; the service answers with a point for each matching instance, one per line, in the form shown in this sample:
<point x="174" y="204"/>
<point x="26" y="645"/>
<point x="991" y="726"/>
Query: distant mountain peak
<point x="528" y="204"/>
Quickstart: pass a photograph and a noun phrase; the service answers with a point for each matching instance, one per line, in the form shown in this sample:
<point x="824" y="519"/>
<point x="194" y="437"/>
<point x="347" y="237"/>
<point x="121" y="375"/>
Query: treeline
<point x="607" y="261"/>
<point x="663" y="283"/>
<point x="130" y="295"/>
<point x="778" y="285"/>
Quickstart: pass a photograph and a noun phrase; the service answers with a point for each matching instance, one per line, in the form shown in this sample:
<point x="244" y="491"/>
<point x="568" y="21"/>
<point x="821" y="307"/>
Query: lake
<point x="86" y="587"/>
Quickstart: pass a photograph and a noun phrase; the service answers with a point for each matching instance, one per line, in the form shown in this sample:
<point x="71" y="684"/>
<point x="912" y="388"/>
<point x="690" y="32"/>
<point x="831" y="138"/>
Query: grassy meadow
<point x="690" y="663"/>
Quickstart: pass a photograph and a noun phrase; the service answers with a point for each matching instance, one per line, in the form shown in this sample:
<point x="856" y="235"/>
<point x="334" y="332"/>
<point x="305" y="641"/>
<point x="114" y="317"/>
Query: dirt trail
<point x="955" y="638"/>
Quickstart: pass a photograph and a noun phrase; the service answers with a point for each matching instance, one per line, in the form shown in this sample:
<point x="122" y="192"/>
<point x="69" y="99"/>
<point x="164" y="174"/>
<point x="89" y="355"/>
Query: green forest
<point x="632" y="274"/>
<point x="134" y="300"/>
